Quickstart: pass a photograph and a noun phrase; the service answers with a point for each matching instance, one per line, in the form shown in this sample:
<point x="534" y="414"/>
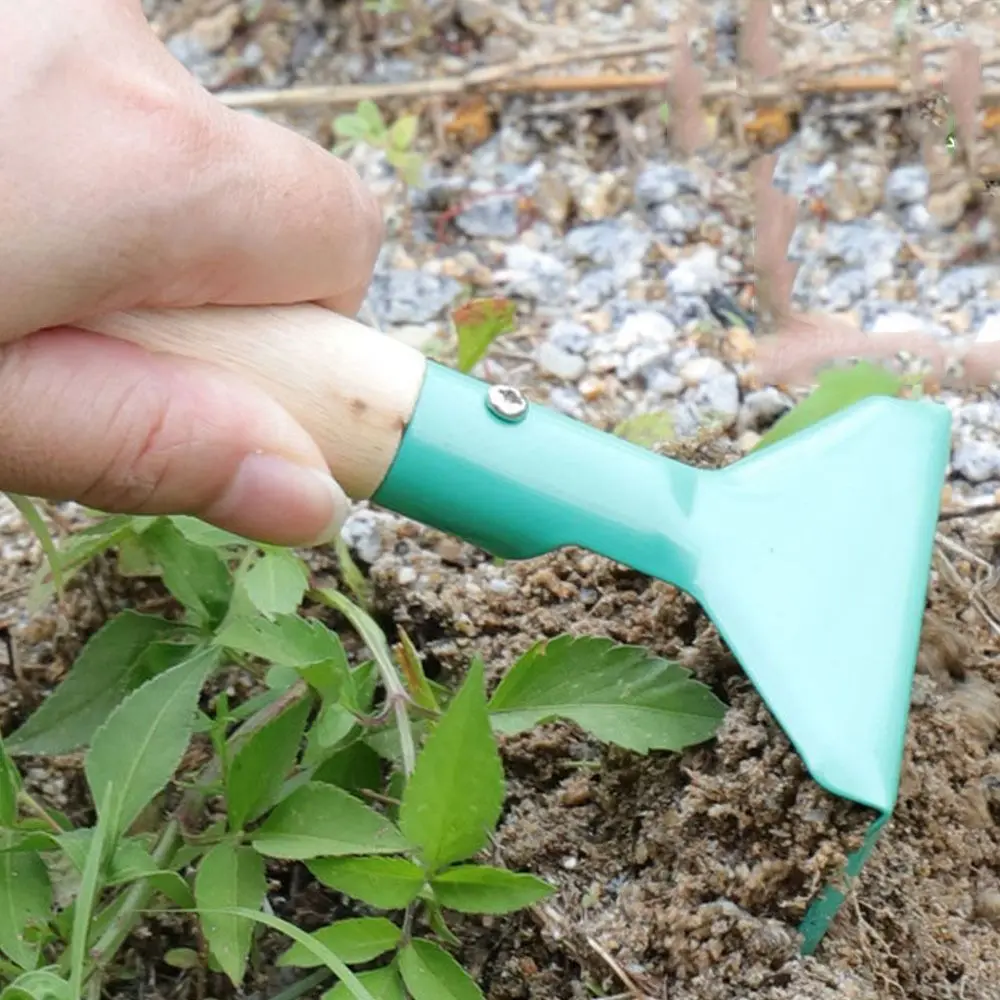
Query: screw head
<point x="506" y="402"/>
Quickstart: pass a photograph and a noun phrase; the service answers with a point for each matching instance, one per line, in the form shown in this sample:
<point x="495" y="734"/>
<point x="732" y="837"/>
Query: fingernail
<point x="274" y="500"/>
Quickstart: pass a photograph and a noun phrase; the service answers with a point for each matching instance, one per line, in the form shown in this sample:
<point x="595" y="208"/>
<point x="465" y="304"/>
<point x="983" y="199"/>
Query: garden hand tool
<point x="811" y="557"/>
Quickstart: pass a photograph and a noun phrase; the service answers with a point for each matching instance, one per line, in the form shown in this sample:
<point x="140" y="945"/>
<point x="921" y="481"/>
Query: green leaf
<point x="182" y="958"/>
<point x="481" y="889"/>
<point x="430" y="973"/>
<point x="354" y="941"/>
<point x="138" y="749"/>
<point x="10" y="786"/>
<point x="325" y="821"/>
<point x="447" y="815"/>
<point x="383" y="984"/>
<point x="104" y="673"/>
<point x="196" y="575"/>
<point x="207" y="535"/>
<point x="837" y="388"/>
<point x="36" y="522"/>
<point x="107" y="798"/>
<point x="287" y="640"/>
<point x="621" y="694"/>
<point x="369" y="113"/>
<point x="332" y="727"/>
<point x="354" y="768"/>
<point x="387" y="883"/>
<point x="478" y="323"/>
<point x="276" y="583"/>
<point x="351" y="574"/>
<point x="25" y="903"/>
<point x="42" y="984"/>
<point x="229" y="876"/>
<point x="404" y="131"/>
<point x="413" y="673"/>
<point x="647" y="429"/>
<point x="351" y="126"/>
<point x="258" y="769"/>
<point x="409" y="166"/>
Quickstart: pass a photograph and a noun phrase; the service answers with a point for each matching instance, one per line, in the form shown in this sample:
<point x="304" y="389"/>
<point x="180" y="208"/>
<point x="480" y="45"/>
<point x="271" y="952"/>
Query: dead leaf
<point x="471" y="123"/>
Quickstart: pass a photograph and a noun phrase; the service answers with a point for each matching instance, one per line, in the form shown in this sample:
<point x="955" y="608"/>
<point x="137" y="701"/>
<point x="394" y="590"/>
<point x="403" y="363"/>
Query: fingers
<point x="272" y="219"/>
<point x="105" y="423"/>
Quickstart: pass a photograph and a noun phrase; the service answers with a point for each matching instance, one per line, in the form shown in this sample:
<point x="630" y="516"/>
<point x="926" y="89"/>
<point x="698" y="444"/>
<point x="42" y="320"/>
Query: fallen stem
<point x="34" y="806"/>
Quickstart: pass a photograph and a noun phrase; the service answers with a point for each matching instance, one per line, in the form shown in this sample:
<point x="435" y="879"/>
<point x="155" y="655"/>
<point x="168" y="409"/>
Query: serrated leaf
<point x="333" y="725"/>
<point x="478" y="323"/>
<point x="258" y="769"/>
<point x="276" y="583"/>
<point x="195" y="574"/>
<point x="449" y="817"/>
<point x="430" y="973"/>
<point x="199" y="533"/>
<point x="325" y="821"/>
<point x="229" y="876"/>
<point x="647" y="429"/>
<point x="388" y="883"/>
<point x="105" y="672"/>
<point x="620" y="694"/>
<point x="836" y="389"/>
<point x="353" y="941"/>
<point x="481" y="889"/>
<point x="25" y="902"/>
<point x="287" y="640"/>
<point x="383" y="984"/>
<point x="138" y="749"/>
<point x="10" y="786"/>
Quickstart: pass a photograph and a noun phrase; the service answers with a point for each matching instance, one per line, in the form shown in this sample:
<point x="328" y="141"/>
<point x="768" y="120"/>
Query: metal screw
<point x="506" y="402"/>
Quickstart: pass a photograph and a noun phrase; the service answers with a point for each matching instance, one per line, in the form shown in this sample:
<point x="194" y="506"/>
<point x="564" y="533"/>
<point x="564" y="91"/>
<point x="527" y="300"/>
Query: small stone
<point x="662" y="183"/>
<point x="570" y="336"/>
<point x="362" y="535"/>
<point x="664" y="383"/>
<point x="533" y="274"/>
<point x="987" y="907"/>
<point x="763" y="407"/>
<point x="553" y="198"/>
<point x="401" y="296"/>
<point x="566" y="400"/>
<point x="701" y="369"/>
<point x="501" y="586"/>
<point x="719" y="396"/>
<point x="697" y="274"/>
<point x="908" y="185"/>
<point x="747" y="441"/>
<point x="406" y="576"/>
<point x="977" y="461"/>
<point x="592" y="388"/>
<point x="602" y="196"/>
<point x="645" y="326"/>
<point x="476" y="16"/>
<point x="495" y="217"/>
<point x="555" y="361"/>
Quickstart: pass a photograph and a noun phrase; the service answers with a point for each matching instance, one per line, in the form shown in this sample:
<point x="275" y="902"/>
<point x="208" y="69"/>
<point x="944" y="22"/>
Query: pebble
<point x="720" y="396"/>
<point x="362" y="534"/>
<point x="702" y="369"/>
<point x="763" y="407"/>
<point x="495" y="217"/>
<point x="662" y="183"/>
<point x="553" y="360"/>
<point x="907" y="185"/>
<point x="977" y="461"/>
<point x="570" y="336"/>
<point x="697" y="274"/>
<point x="404" y="296"/>
<point x="533" y="274"/>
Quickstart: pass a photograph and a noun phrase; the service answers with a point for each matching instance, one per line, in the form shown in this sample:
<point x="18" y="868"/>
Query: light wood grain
<point x="352" y="388"/>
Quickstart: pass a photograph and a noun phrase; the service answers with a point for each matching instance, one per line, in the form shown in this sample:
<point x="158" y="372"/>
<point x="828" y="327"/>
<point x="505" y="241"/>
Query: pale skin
<point x="123" y="185"/>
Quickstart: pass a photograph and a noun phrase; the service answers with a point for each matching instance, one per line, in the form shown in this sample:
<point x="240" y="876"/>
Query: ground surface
<point x="679" y="876"/>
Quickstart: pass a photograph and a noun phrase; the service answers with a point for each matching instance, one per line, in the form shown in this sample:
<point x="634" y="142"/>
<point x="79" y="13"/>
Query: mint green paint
<point x="812" y="556"/>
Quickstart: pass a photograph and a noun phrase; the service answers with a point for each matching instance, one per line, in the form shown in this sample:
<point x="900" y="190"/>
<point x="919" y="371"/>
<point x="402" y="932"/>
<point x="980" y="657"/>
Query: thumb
<point x="95" y="420"/>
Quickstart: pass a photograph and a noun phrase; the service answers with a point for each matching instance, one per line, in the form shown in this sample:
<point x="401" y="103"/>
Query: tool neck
<point x="521" y="480"/>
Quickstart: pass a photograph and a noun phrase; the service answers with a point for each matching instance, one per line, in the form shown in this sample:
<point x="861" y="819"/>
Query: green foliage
<point x="620" y="694"/>
<point x="837" y="388"/>
<point x="366" y="125"/>
<point x="448" y="818"/>
<point x="387" y="786"/>
<point x="477" y="324"/>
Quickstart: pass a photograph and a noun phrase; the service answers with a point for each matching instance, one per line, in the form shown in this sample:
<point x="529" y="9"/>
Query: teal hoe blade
<point x="811" y="557"/>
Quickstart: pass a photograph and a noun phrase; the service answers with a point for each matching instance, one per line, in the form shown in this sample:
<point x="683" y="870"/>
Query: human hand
<point x="123" y="185"/>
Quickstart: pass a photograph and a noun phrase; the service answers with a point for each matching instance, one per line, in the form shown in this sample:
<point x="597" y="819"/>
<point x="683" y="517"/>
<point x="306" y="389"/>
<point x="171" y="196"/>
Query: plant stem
<point x="136" y="899"/>
<point x="304" y="985"/>
<point x="34" y="806"/>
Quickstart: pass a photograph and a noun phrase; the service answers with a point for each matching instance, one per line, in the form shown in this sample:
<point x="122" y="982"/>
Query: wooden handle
<point x="352" y="388"/>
